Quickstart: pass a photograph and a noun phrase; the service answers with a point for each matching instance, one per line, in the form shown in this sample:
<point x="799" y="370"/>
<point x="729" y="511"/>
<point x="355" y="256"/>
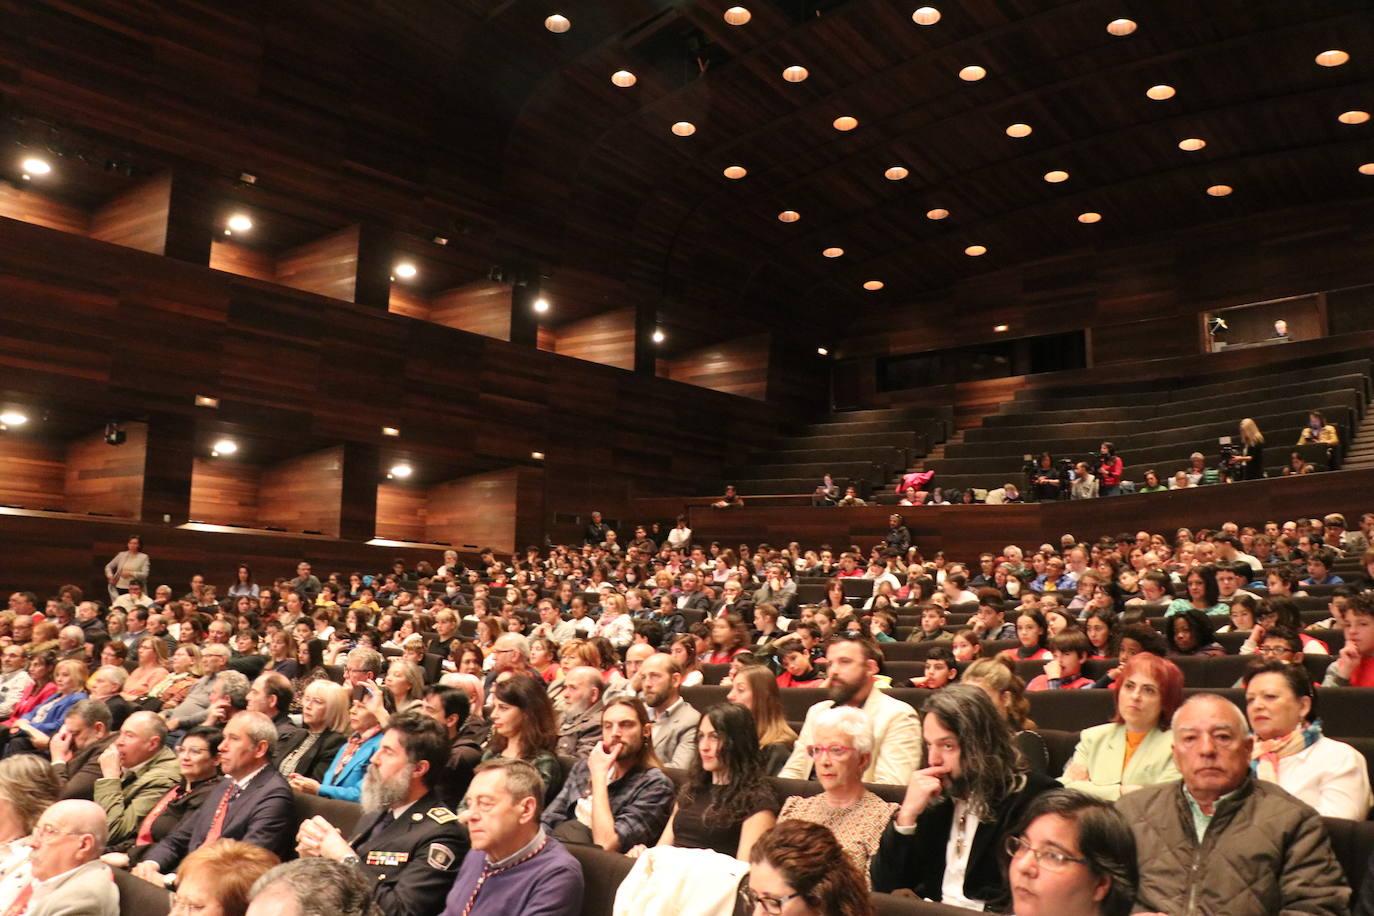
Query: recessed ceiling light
<point x="1353" y="117"/>
<point x="833" y="252"/>
<point x="405" y="270"/>
<point x="795" y="74"/>
<point x="738" y="15"/>
<point x="541" y="305"/>
<point x="659" y="336"/>
<point x="822" y="351"/>
<point x="1121" y="27"/>
<point x="1367" y="168"/>
<point x="789" y="216"/>
<point x="845" y="122"/>
<point x="684" y="128"/>
<point x="13" y="418"/>
<point x="240" y="222"/>
<point x="537" y="456"/>
<point x="896" y="173"/>
<point x="390" y="431"/>
<point x="1090" y="217"/>
<point x="972" y="73"/>
<point x="224" y="447"/>
<point x="1056" y="176"/>
<point x="207" y="401"/>
<point x="1001" y="328"/>
<point x="1220" y="190"/>
<point x="439" y="240"/>
<point x="1019" y="130"/>
<point x="1332" y="58"/>
<point x="1192" y="144"/>
<point x="558" y="23"/>
<point x="735" y="172"/>
<point x="401" y="471"/>
<point x="873" y="285"/>
<point x="1161" y="92"/>
<point x="35" y="166"/>
<point x="624" y="79"/>
<point x="937" y="213"/>
<point x="976" y="251"/>
<point x="926" y="15"/>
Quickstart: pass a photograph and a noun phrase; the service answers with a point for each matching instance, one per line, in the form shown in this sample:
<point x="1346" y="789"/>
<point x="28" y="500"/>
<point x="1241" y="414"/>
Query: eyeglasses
<point x="1274" y="650"/>
<point x="48" y="831"/>
<point x="770" y="904"/>
<point x="181" y="905"/>
<point x="1048" y="859"/>
<point x="833" y="751"/>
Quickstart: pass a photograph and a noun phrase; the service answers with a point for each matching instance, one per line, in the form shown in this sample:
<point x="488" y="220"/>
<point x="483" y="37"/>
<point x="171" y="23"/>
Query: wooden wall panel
<point x="401" y="512"/>
<point x="224" y="492"/>
<point x="30" y="207"/>
<point x="608" y="339"/>
<point x="242" y="260"/>
<point x="478" y="308"/>
<point x="405" y="301"/>
<point x="476" y="511"/>
<point x="303" y="494"/>
<point x="734" y="367"/>
<point x="327" y="266"/>
<point x="32" y="473"/>
<point x="546" y="339"/>
<point x="138" y="217"/>
<point x="107" y="479"/>
<point x="1124" y="342"/>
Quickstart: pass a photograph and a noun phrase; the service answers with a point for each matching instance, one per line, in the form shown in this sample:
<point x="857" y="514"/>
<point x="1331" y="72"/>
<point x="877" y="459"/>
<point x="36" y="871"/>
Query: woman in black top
<point x="727" y="802"/>
<point x="198" y="755"/>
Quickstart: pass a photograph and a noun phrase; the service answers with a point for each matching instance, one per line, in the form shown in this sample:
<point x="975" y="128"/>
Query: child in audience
<point x="1065" y="671"/>
<point x="798" y="671"/>
<point x="1354" y="666"/>
<point x="939" y="671"/>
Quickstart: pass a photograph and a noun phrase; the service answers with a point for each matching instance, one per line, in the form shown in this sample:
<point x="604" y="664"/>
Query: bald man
<point x="136" y="770"/>
<point x="68" y="878"/>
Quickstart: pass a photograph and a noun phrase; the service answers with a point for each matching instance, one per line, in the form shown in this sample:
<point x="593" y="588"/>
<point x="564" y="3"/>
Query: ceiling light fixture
<point x="833" y="252"/>
<point x="1001" y="328"/>
<point x="1220" y="190"/>
<point x="1367" y="168"/>
<point x="659" y="336"/>
<point x="12" y="418"/>
<point x="624" y="79"/>
<point x="203" y="400"/>
<point x="1192" y="144"/>
<point x="558" y="23"/>
<point x="239" y="222"/>
<point x="223" y="447"/>
<point x="896" y="173"/>
<point x="972" y="73"/>
<point x="390" y="432"/>
<point x="439" y="240"/>
<point x="1056" y="176"/>
<point x="400" y="471"/>
<point x="1121" y="27"/>
<point x="789" y="216"/>
<point x="795" y="74"/>
<point x="735" y="172"/>
<point x="822" y="351"/>
<point x="873" y="285"/>
<point x="1161" y="92"/>
<point x="1332" y="58"/>
<point x="845" y="122"/>
<point x="937" y="213"/>
<point x="1353" y="117"/>
<point x="738" y="15"/>
<point x="406" y="270"/>
<point x="1019" y="130"/>
<point x="1090" y="216"/>
<point x="976" y="251"/>
<point x="684" y="128"/>
<point x="35" y="166"/>
<point x="541" y="305"/>
<point x="537" y="456"/>
<point x="926" y="15"/>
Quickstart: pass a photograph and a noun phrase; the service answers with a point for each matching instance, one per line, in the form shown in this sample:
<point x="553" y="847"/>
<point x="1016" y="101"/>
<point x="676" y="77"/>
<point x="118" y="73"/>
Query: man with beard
<point x="851" y="675"/>
<point x="674" y="733"/>
<point x="407" y="843"/>
<point x="947" y="839"/>
<point x="582" y="702"/>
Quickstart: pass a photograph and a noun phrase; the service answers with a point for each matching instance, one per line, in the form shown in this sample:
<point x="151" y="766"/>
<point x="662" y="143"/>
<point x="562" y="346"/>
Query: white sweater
<point x="1331" y="776"/>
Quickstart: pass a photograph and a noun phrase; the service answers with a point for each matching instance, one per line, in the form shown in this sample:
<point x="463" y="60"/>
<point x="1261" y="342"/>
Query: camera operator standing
<point x="1247" y="462"/>
<point x="1109" y="470"/>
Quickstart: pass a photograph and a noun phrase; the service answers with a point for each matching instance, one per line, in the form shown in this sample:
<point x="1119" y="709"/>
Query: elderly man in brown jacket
<point x="1221" y="841"/>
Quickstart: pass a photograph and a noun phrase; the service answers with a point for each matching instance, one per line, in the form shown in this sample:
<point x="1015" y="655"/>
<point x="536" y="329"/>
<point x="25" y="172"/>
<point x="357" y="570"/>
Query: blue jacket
<point x="348" y="785"/>
<point x="49" y="715"/>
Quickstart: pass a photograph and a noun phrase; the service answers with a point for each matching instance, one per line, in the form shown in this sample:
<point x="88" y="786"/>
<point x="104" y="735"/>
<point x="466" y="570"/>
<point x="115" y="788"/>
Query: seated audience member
<point x="1073" y="855"/>
<point x="1319" y="568"/>
<point x="851" y="498"/>
<point x="67" y="875"/>
<point x="450" y="707"/>
<point x="946" y="840"/>
<point x="253" y="803"/>
<point x="797" y="669"/>
<point x="1223" y="840"/>
<point x="798" y="868"/>
<point x="939" y="669"/>
<point x="1068" y="649"/>
<point x="27" y="789"/>
<point x="152" y="670"/>
<point x="193" y="707"/>
<point x="198" y="757"/>
<point x="522" y="728"/>
<point x="310" y="750"/>
<point x="538" y="875"/>
<point x="842" y="750"/>
<point x="1318" y="431"/>
<point x="1151" y="483"/>
<point x="271" y="695"/>
<point x="1101" y="629"/>
<point x="343" y="778"/>
<point x="731" y="499"/>
<point x="186" y="672"/>
<point x="104" y="685"/>
<point x="674" y="734"/>
<point x="852" y="679"/>
<point x="31" y="731"/>
<point x="407" y="844"/>
<point x="966" y="646"/>
<point x="932" y="628"/>
<point x="1244" y="612"/>
<point x="727" y="803"/>
<point x="135" y="771"/>
<point x="1354" y="665"/>
<point x="1135" y="748"/>
<point x="228" y="697"/>
<point x="999" y="680"/>
<point x="76" y="748"/>
<point x="755" y="689"/>
<point x="1203" y="594"/>
<point x="1291" y="750"/>
<point x="1032" y="632"/>
<point x="312" y="887"/>
<point x="617" y="797"/>
<point x="990" y="621"/>
<point x="580" y="725"/>
<point x="1085" y="484"/>
<point x="14" y="679"/>
<point x="1190" y="633"/>
<point x="215" y="880"/>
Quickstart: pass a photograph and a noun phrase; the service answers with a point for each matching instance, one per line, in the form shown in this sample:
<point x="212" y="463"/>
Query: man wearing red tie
<point x="68" y="877"/>
<point x="253" y="805"/>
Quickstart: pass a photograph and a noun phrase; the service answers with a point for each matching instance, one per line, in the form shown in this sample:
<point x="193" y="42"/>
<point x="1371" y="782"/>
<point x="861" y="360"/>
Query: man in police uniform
<point x="407" y="843"/>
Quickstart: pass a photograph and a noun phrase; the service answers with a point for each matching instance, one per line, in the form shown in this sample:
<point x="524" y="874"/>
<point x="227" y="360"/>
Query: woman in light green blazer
<point x="1150" y="689"/>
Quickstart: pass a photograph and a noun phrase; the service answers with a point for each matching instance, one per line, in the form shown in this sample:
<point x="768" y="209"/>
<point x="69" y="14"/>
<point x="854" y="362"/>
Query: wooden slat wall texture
<point x="302" y="494"/>
<point x="136" y="218"/>
<point x="224" y="492"/>
<point x="33" y="474"/>
<point x="608" y="338"/>
<point x="733" y="367"/>
<point x="41" y="210"/>
<point x="107" y="479"/>
<point x="326" y="266"/>
<point x="479" y="308"/>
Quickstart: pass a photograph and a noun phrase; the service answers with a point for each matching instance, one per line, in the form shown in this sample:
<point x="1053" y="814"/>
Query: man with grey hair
<point x="312" y="887"/>
<point x="228" y="697"/>
<point x="136" y="770"/>
<point x="1222" y="841"/>
<point x="71" y="642"/>
<point x="512" y="653"/>
<point x="68" y="877"/>
<point x="362" y="664"/>
<point x="76" y="748"/>
<point x="253" y="804"/>
<point x="580" y="727"/>
<point x="195" y="706"/>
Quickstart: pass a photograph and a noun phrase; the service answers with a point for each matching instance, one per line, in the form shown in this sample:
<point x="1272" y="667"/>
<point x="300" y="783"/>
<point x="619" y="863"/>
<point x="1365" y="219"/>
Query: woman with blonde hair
<point x="999" y="680"/>
<point x="151" y="671"/>
<point x="756" y="689"/>
<point x="28" y="785"/>
<point x="406" y="683"/>
<point x="1249" y="464"/>
<point x="186" y="670"/>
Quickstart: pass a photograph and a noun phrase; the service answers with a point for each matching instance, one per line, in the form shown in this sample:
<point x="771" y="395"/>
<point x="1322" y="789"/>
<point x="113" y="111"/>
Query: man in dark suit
<point x="408" y="844"/>
<point x="254" y="805"/>
<point x="692" y="598"/>
<point x="449" y="707"/>
<point x="271" y="695"/>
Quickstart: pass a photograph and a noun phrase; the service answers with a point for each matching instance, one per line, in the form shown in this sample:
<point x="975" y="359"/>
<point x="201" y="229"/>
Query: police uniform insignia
<point x="417" y="817"/>
<point x="442" y="815"/>
<point x="440" y="857"/>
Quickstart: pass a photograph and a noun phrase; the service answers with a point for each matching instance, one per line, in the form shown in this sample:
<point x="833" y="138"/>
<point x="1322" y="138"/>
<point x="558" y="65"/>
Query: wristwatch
<point x="351" y="861"/>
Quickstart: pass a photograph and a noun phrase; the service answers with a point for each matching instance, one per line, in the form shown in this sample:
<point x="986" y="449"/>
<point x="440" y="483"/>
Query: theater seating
<point x="139" y="898"/>
<point x="340" y="813"/>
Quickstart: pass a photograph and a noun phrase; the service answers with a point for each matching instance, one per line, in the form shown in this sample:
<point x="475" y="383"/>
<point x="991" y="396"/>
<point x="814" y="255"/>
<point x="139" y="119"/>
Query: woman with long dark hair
<point x="523" y="727"/>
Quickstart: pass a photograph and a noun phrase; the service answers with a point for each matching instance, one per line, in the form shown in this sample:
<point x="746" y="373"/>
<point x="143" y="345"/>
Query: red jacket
<point x="1110" y="470"/>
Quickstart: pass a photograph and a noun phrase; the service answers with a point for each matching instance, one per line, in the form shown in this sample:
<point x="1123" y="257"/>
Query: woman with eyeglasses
<point x="842" y="751"/>
<point x="798" y="869"/>
<point x="217" y="879"/>
<point x="1073" y="855"/>
<point x="198" y="757"/>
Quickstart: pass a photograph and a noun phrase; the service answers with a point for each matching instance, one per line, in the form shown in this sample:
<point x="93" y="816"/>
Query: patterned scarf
<point x="1264" y="761"/>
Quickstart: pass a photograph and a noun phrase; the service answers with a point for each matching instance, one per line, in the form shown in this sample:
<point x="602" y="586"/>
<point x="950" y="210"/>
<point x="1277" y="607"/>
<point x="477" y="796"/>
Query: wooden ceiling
<point x="469" y="120"/>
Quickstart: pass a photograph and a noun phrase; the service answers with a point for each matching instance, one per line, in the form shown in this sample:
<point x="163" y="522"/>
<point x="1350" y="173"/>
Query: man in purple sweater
<point x="514" y="867"/>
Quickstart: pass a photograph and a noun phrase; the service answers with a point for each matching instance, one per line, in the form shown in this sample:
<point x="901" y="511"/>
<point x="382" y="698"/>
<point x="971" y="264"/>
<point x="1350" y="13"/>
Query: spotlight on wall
<point x="12" y="418"/>
<point x="537" y="456"/>
<point x="400" y="471"/>
<point x="223" y="447"/>
<point x="406" y="270"/>
<point x="203" y="400"/>
<point x="541" y="305"/>
<point x="659" y="337"/>
<point x="391" y="431"/>
<point x="33" y="166"/>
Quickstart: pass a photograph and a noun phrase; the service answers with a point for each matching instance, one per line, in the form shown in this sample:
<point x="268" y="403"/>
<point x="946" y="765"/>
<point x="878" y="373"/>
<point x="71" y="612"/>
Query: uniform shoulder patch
<point x="442" y="815"/>
<point x="440" y="857"/>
